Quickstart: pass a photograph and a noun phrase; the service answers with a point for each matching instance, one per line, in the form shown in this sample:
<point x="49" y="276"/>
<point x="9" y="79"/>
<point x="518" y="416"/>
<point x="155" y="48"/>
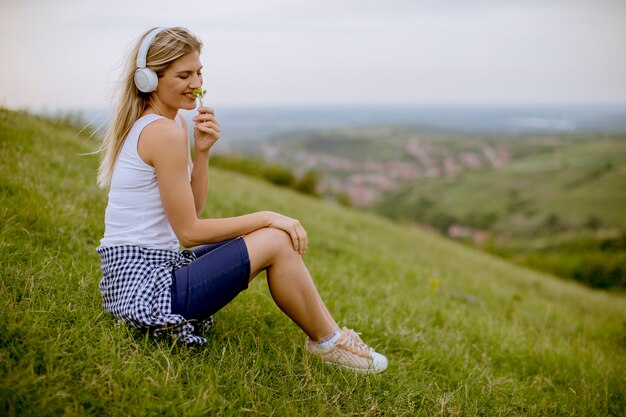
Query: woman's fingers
<point x="205" y="119"/>
<point x="208" y="127"/>
<point x="205" y="110"/>
<point x="301" y="244"/>
<point x="295" y="231"/>
<point x="304" y="240"/>
<point x="298" y="237"/>
<point x="294" y="240"/>
<point x="205" y="115"/>
<point x="212" y="134"/>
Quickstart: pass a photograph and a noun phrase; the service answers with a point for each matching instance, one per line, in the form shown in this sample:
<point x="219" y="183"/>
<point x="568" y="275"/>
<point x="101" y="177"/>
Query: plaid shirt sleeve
<point x="136" y="288"/>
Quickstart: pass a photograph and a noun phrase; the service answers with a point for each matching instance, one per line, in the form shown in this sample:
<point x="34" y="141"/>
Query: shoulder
<point x="160" y="138"/>
<point x="164" y="130"/>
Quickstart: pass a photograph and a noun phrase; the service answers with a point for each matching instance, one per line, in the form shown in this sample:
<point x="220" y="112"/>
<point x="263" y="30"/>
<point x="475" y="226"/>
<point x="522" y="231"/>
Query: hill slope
<point x="574" y="178"/>
<point x="559" y="209"/>
<point x="465" y="333"/>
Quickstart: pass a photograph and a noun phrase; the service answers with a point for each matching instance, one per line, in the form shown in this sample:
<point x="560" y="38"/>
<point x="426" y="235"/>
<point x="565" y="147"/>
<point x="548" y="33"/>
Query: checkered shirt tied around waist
<point x="136" y="288"/>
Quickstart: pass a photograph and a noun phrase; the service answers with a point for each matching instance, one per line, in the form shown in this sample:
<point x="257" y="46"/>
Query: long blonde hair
<point x="169" y="45"/>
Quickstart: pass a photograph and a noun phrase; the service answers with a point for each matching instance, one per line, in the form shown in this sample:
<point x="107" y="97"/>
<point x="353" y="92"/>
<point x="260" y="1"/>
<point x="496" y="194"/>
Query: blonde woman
<point x="156" y="196"/>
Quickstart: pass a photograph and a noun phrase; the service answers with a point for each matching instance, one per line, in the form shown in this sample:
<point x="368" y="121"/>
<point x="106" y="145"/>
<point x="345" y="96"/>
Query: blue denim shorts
<point x="207" y="284"/>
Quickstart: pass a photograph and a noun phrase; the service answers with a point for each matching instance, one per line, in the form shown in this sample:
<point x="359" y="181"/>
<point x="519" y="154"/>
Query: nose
<point x="196" y="81"/>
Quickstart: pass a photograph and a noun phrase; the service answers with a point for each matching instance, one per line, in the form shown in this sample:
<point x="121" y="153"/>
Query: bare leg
<point x="289" y="281"/>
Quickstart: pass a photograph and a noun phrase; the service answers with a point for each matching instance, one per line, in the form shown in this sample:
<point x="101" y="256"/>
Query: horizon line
<point x="285" y="106"/>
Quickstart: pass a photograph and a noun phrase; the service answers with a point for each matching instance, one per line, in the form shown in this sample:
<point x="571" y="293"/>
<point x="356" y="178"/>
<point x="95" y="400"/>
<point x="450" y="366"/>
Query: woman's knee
<point x="266" y="247"/>
<point x="272" y="242"/>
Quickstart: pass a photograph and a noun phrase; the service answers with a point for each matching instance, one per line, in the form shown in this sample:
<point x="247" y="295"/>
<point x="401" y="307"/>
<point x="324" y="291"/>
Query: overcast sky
<point x="66" y="54"/>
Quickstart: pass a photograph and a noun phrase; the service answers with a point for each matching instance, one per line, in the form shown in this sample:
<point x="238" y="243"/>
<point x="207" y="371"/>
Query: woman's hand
<point x="293" y="228"/>
<point x="206" y="129"/>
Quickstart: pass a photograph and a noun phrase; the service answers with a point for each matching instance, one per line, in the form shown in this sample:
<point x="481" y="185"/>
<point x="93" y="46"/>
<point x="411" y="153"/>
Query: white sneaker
<point x="350" y="352"/>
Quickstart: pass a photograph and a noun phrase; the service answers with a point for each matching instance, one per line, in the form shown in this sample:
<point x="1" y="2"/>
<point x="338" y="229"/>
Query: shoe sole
<point x="359" y="370"/>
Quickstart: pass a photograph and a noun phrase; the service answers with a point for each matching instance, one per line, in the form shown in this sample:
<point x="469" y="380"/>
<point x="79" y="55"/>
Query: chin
<point x="188" y="106"/>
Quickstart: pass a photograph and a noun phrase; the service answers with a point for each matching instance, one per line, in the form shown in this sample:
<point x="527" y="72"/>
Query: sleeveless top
<point x="139" y="250"/>
<point x="134" y="214"/>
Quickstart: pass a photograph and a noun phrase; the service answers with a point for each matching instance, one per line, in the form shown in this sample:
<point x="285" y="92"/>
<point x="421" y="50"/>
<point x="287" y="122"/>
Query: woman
<point x="156" y="195"/>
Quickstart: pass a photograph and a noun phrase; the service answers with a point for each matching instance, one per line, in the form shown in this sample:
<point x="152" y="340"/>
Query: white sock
<point x="329" y="341"/>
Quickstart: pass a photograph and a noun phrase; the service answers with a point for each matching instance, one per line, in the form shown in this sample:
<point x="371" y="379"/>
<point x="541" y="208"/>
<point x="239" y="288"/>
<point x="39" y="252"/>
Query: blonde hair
<point x="169" y="45"/>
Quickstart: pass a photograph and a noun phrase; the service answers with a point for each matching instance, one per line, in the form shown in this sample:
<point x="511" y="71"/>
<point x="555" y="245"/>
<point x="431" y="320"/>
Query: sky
<point x="67" y="54"/>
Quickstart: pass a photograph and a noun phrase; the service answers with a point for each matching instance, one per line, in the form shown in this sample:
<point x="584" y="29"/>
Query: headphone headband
<point x="142" y="55"/>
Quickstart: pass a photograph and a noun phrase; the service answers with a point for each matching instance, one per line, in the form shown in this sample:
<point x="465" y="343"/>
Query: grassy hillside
<point x="465" y="333"/>
<point x="560" y="207"/>
<point x="573" y="179"/>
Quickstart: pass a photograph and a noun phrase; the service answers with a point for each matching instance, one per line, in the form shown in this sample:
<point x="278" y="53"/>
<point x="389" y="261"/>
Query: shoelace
<point x="352" y="342"/>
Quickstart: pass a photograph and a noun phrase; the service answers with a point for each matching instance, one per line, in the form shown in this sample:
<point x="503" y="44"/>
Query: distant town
<point x="362" y="180"/>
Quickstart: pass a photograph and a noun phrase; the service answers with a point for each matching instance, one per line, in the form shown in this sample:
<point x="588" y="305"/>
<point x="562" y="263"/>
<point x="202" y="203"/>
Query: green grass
<point x="563" y="188"/>
<point x="465" y="333"/>
<point x="576" y="178"/>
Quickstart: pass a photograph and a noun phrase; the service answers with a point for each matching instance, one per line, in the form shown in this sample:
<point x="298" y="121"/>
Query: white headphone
<point x="146" y="80"/>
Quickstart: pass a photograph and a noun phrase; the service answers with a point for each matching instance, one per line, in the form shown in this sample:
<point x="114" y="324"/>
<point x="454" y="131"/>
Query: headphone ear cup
<point x="146" y="80"/>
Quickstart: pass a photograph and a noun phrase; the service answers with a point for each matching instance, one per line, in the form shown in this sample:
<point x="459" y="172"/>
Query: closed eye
<point x="184" y="75"/>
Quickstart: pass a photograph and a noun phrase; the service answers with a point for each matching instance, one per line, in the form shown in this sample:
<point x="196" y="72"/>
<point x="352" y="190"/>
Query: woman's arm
<point x="200" y="181"/>
<point x="199" y="175"/>
<point x="164" y="146"/>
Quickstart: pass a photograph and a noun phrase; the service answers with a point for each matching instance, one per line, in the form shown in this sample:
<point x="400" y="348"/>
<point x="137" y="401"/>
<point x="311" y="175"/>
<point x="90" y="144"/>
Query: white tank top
<point x="134" y="214"/>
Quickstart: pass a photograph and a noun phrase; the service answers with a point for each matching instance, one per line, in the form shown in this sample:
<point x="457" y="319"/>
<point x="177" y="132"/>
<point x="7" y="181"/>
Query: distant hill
<point x="560" y="208"/>
<point x="554" y="202"/>
<point x="466" y="333"/>
<point x="363" y="162"/>
<point x="579" y="180"/>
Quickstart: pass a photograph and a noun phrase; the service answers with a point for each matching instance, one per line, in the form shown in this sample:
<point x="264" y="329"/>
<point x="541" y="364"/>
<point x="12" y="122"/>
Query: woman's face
<point x="175" y="87"/>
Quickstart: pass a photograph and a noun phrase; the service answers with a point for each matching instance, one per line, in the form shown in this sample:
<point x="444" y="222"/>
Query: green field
<point x="573" y="179"/>
<point x="466" y="333"/>
<point x="553" y="202"/>
<point x="559" y="206"/>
